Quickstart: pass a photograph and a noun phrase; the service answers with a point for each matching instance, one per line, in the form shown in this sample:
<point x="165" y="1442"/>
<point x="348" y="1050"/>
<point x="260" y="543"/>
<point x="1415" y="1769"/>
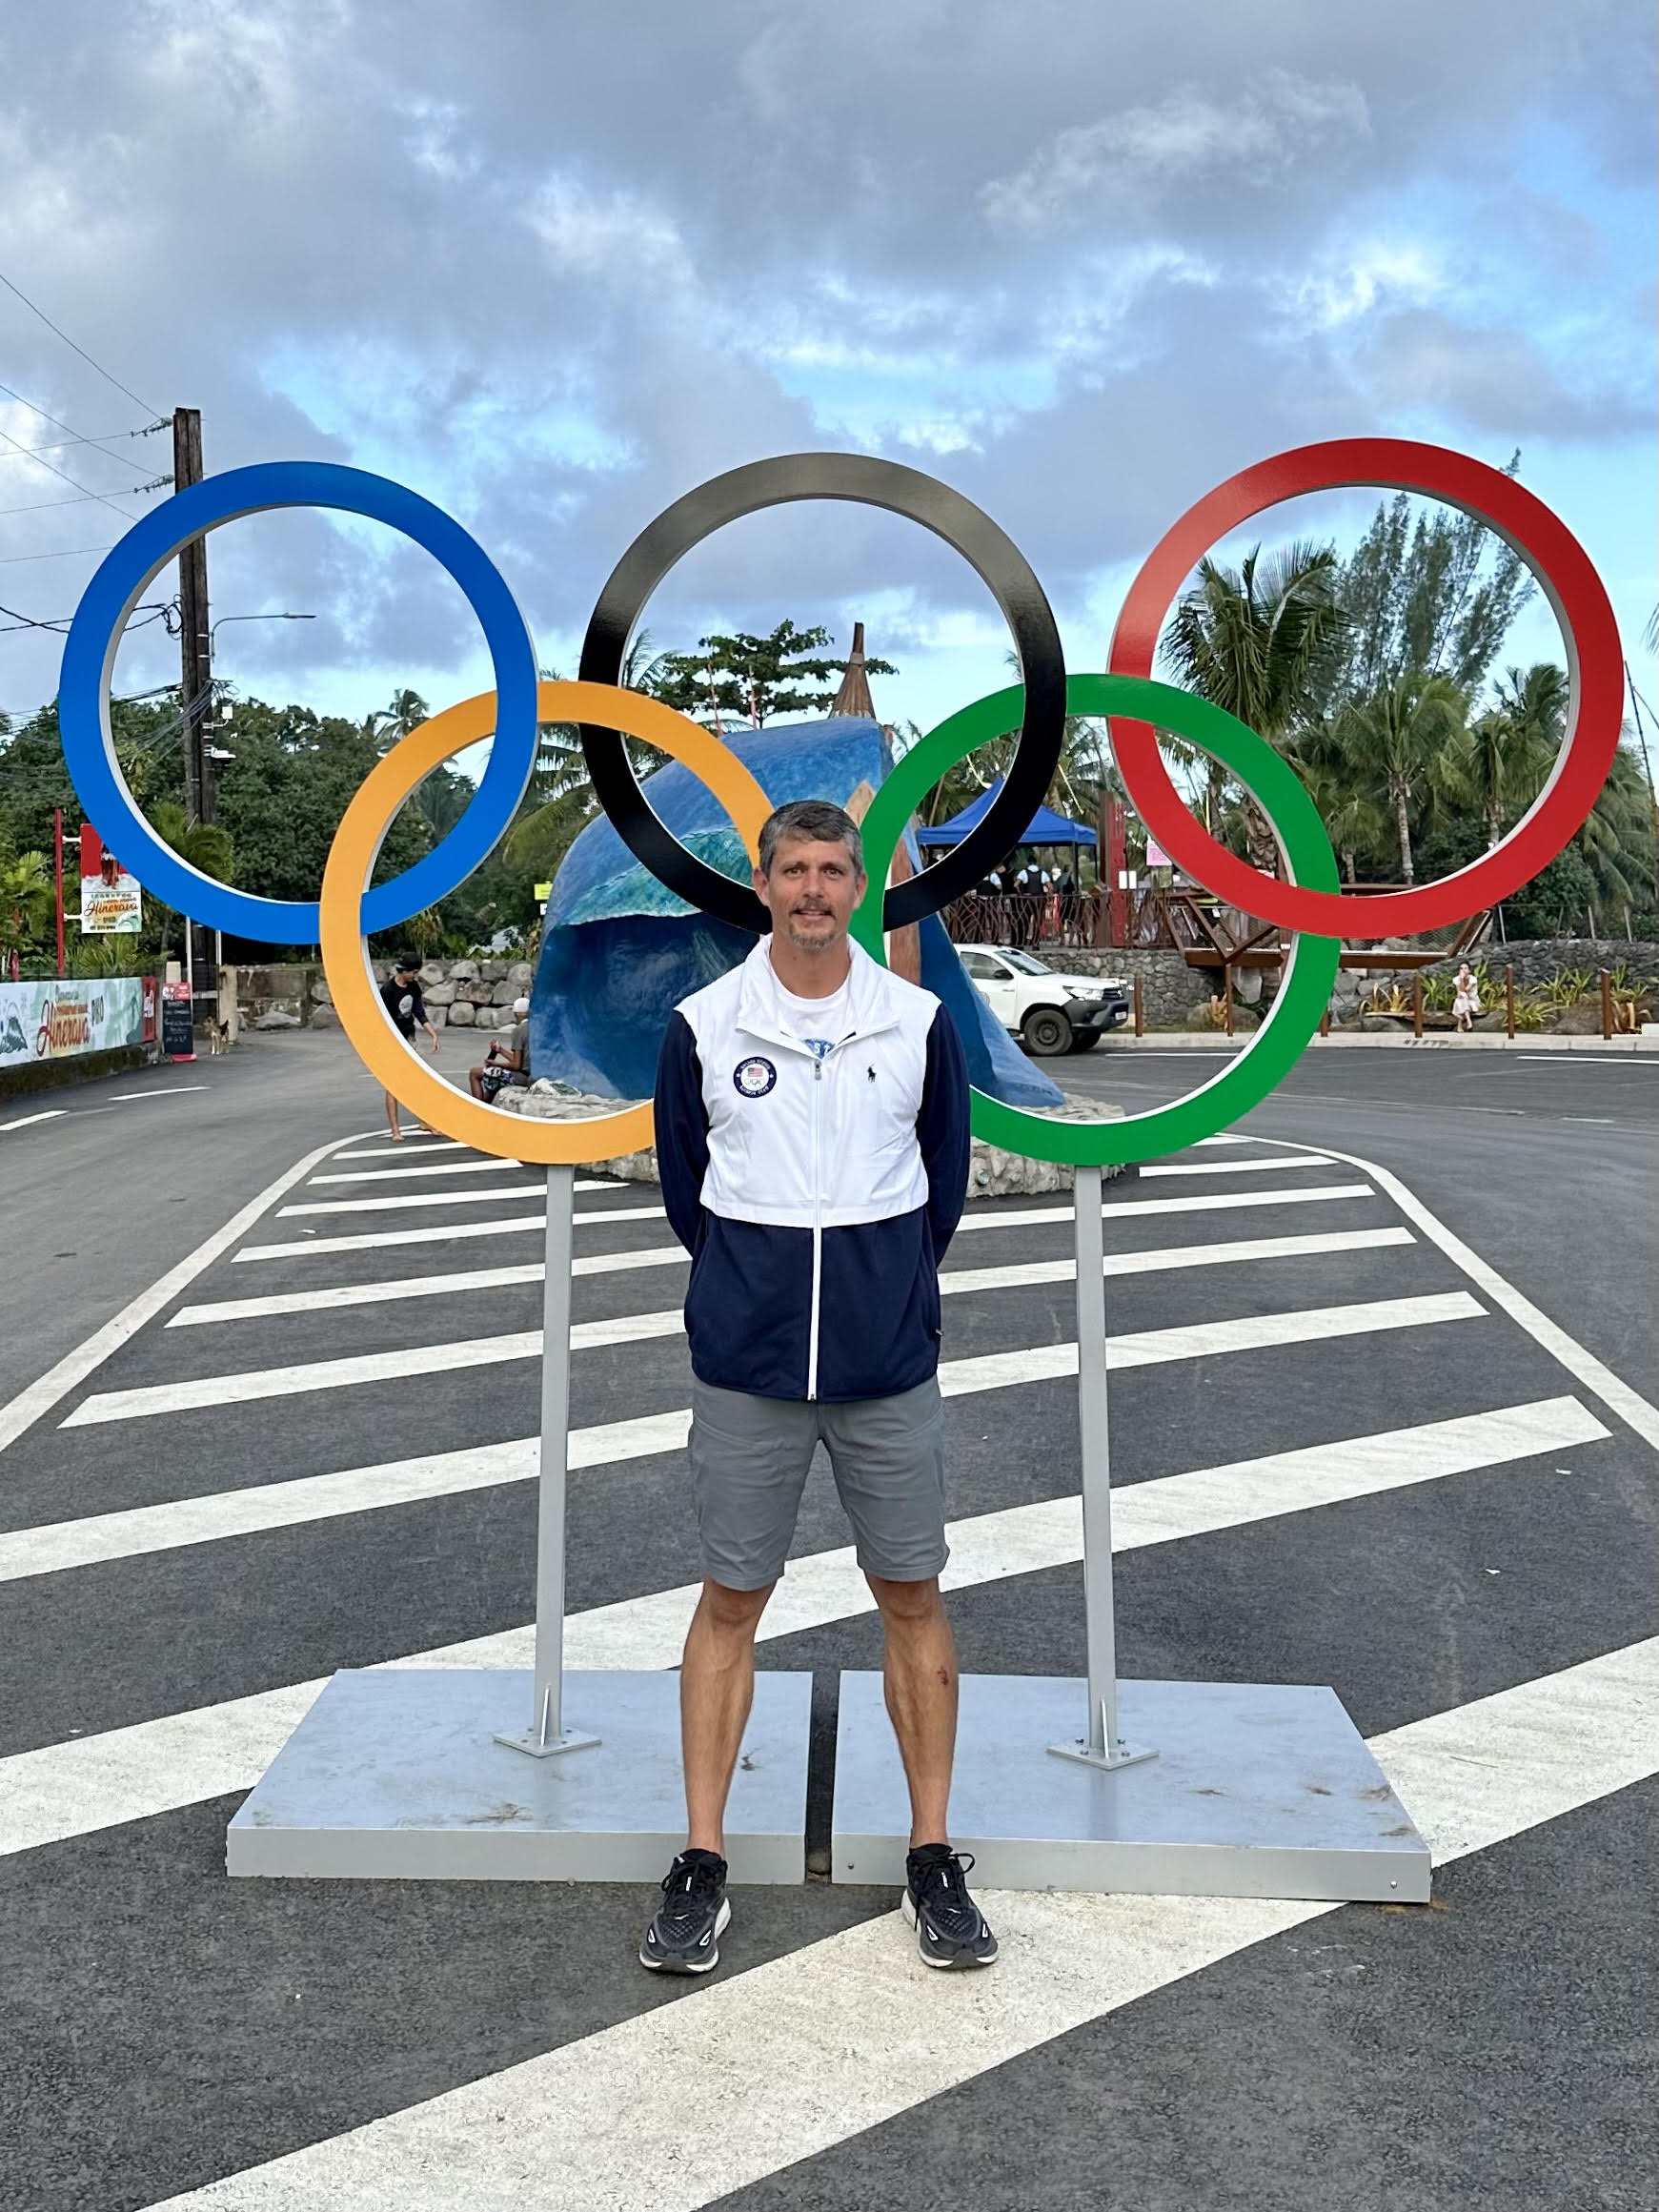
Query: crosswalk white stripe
<point x="853" y="2028"/>
<point x="19" y="1413"/>
<point x="306" y="1246"/>
<point x="392" y="1289"/>
<point x="518" y="1192"/>
<point x="1642" y="1415"/>
<point x="154" y="1766"/>
<point x="1204" y="1167"/>
<point x="1195" y="1340"/>
<point x="442" y="1167"/>
<point x="408" y="1146"/>
<point x="1022" y="1537"/>
<point x="1019" y="1217"/>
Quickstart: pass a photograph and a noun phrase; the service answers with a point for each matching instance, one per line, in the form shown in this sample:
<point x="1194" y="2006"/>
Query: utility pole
<point x="195" y="673"/>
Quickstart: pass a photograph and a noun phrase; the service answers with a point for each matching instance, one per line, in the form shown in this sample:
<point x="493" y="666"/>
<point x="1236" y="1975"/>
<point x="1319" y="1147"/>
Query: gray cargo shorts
<point x="749" y="1459"/>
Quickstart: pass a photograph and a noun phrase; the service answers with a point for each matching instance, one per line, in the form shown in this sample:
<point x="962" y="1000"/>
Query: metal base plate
<point x="1258" y="1790"/>
<point x="395" y="1774"/>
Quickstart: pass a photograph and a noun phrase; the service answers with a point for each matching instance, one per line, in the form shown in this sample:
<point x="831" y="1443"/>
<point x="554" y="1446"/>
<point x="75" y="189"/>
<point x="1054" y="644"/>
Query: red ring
<point x="1595" y="668"/>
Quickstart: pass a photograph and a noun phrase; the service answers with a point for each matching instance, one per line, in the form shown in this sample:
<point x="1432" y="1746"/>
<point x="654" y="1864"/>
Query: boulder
<point x="1582" y="1020"/>
<point x="321" y="993"/>
<point x="462" y="971"/>
<point x="324" y="1017"/>
<point x="462" y="1015"/>
<point x="1199" y="1017"/>
<point x="504" y="993"/>
<point x="492" y="971"/>
<point x="431" y="973"/>
<point x="480" y="992"/>
<point x="277" y="1019"/>
<point x="439" y="994"/>
<point x="521" y="975"/>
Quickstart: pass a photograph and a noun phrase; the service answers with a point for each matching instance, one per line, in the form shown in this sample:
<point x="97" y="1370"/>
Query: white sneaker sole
<point x="962" y="1961"/>
<point x="722" y="1921"/>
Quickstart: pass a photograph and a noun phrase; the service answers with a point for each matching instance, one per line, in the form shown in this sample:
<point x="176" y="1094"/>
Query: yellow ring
<point x="351" y="862"/>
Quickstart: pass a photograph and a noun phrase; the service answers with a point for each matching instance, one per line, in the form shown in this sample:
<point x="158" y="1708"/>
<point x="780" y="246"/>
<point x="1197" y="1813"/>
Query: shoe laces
<point x="687" y="1885"/>
<point x="942" y="1886"/>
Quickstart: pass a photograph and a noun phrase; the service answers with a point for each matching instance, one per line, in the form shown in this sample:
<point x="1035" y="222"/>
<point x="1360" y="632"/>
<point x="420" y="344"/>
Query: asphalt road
<point x="165" y="2031"/>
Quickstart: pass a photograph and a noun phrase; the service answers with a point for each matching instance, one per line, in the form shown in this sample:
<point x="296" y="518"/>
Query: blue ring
<point x="127" y="572"/>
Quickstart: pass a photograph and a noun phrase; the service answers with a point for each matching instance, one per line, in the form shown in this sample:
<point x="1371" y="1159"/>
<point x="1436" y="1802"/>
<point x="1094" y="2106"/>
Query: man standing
<point x="402" y="1000"/>
<point x="812" y="1136"/>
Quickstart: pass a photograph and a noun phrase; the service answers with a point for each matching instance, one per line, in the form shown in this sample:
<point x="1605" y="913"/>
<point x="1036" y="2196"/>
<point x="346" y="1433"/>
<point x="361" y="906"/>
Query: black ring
<point x="968" y="530"/>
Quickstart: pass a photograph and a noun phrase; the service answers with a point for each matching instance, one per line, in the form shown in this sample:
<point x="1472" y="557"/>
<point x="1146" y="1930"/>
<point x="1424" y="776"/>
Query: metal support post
<point x="1102" y="1747"/>
<point x="547" y="1732"/>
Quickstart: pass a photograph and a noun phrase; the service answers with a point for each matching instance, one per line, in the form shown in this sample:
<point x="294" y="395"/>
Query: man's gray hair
<point x="815" y="818"/>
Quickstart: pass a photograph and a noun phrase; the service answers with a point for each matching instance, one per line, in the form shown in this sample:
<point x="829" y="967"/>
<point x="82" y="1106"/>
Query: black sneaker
<point x="950" y="1928"/>
<point x="684" y="1937"/>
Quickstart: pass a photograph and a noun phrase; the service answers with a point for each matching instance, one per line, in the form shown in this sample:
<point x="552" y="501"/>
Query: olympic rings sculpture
<point x="1309" y="902"/>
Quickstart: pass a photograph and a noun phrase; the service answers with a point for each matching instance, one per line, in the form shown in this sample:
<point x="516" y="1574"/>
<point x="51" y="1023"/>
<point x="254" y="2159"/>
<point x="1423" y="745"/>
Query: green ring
<point x="1310" y="969"/>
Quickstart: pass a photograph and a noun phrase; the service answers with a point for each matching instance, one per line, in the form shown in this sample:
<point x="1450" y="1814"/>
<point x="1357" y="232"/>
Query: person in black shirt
<point x="402" y="1000"/>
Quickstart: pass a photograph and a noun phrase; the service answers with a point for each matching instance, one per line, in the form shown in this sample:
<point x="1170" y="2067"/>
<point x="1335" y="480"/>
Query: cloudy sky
<point x="553" y="264"/>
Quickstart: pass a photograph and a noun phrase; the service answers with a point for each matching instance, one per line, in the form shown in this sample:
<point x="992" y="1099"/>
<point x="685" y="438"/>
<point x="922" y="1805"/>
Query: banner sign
<point x="57" y="1019"/>
<point x="112" y="904"/>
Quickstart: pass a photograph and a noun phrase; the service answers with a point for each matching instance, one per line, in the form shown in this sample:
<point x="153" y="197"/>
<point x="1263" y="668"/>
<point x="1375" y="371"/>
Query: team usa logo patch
<point x="754" y="1078"/>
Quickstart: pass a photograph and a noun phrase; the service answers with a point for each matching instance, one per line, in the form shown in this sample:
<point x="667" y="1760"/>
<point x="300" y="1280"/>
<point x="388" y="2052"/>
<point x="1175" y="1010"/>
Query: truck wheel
<point x="1047" y="1032"/>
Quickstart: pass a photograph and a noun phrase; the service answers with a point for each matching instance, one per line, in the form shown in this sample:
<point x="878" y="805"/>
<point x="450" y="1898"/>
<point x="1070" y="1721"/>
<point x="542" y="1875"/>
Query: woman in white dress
<point x="1466" y="1002"/>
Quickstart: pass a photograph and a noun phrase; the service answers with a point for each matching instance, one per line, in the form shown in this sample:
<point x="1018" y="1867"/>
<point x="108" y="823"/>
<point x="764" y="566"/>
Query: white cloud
<point x="1132" y="159"/>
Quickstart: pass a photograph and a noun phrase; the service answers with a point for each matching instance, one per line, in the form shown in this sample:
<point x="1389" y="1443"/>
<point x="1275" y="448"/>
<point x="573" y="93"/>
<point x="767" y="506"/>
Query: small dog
<point x="218" y="1036"/>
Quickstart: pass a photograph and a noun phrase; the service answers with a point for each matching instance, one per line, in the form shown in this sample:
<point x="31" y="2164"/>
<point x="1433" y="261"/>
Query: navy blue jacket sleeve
<point x="682" y="1130"/>
<point x="942" y="1129"/>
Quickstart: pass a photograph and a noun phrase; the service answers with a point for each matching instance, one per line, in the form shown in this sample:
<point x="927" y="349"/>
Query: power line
<point x="74" y="348"/>
<point x="51" y="467"/>
<point x="64" y="553"/>
<point x="58" y="625"/>
<point x="60" y="444"/>
<point x="132" y="492"/>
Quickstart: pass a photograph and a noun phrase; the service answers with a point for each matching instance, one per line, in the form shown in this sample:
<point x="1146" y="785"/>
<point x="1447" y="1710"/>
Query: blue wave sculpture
<point x="618" y="949"/>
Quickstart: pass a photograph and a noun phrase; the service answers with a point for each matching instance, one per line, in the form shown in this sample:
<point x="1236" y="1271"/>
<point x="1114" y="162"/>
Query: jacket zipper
<point x="817" y="1231"/>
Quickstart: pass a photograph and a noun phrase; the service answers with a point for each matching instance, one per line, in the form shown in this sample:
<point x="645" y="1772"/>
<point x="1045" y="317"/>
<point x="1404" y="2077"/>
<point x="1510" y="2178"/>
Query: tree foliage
<point x="748" y="679"/>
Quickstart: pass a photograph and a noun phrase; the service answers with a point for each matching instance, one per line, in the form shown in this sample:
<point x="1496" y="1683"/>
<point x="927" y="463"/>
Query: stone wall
<point x="459" y="994"/>
<point x="1169" y="989"/>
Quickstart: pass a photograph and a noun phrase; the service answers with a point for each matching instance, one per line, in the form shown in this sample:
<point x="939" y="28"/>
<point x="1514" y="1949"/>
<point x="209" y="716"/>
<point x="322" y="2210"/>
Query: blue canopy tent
<point x="1045" y="828"/>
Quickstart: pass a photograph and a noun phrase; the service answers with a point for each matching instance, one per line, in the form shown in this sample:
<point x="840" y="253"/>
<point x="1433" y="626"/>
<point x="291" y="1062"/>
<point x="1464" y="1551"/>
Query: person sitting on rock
<point x="505" y="1065"/>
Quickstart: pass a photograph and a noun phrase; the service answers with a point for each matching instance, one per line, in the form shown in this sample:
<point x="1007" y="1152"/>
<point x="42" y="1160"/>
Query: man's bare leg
<point x="716" y="1688"/>
<point x="392" y="1119"/>
<point x="918" y="1674"/>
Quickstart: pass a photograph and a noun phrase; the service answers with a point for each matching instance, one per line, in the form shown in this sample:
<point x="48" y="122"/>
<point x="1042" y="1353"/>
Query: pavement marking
<point x="1035" y="1363"/>
<point x="83" y="1783"/>
<point x="1020" y="1218"/>
<point x="409" y="1144"/>
<point x="1630" y="1405"/>
<point x="1516" y="1113"/>
<point x="28" y="1121"/>
<point x="395" y="1289"/>
<point x="1207" y="1201"/>
<point x="442" y="1167"/>
<point x="28" y="1406"/>
<point x="172" y="1091"/>
<point x="445" y="1232"/>
<point x="517" y="1194"/>
<point x="1595" y="1120"/>
<point x="1232" y="1167"/>
<point x="1617" y="1062"/>
<point x="1019" y="1540"/>
<point x="854" y="2027"/>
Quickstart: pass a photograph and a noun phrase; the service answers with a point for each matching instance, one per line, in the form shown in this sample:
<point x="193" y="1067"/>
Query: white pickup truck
<point x="1050" y="1012"/>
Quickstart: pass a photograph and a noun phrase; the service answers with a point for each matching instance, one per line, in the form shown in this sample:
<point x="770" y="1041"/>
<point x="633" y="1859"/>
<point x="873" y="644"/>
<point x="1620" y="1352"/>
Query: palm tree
<point x="1264" y="641"/>
<point x="1501" y="760"/>
<point x="205" y="845"/>
<point x="1400" y="733"/>
<point x="28" y="902"/>
<point x="405" y="711"/>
